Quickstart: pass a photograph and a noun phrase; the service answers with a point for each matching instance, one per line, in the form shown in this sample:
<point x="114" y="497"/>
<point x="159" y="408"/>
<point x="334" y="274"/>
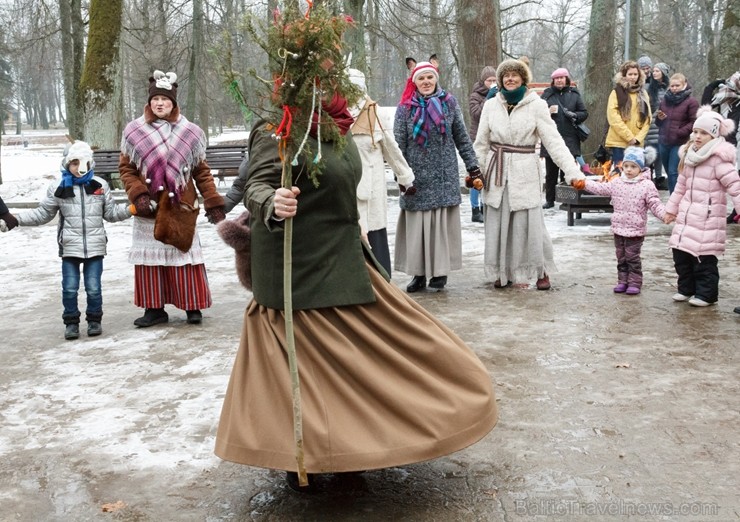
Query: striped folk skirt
<point x="185" y="287"/>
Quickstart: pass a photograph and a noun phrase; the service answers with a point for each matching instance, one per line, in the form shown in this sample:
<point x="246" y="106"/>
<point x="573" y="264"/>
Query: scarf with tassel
<point x="165" y="152"/>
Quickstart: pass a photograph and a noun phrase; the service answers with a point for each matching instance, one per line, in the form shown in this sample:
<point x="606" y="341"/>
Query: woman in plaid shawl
<point x="162" y="151"/>
<point x="429" y="128"/>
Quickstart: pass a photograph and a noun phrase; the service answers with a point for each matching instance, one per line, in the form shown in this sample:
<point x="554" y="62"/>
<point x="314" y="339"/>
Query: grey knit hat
<point x="487" y="72"/>
<point x="644" y="61"/>
<point x="516" y="66"/>
<point x="665" y="70"/>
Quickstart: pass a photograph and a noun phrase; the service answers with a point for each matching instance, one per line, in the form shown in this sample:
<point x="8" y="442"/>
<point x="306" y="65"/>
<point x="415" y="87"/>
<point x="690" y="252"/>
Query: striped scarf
<point x="425" y="109"/>
<point x="164" y="152"/>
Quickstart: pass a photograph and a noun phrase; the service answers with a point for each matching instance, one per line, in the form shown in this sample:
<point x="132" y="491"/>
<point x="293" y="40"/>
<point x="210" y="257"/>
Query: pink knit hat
<point x="713" y="122"/>
<point x="560" y="73"/>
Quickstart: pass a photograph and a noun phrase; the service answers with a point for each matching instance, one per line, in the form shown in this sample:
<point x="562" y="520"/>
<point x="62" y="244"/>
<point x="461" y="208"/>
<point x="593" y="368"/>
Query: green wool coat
<point x="328" y="252"/>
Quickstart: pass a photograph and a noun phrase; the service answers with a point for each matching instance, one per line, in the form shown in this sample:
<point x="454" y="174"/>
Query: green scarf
<point x="515" y="96"/>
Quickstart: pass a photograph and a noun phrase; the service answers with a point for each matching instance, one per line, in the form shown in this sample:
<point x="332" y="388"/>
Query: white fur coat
<point x="528" y="123"/>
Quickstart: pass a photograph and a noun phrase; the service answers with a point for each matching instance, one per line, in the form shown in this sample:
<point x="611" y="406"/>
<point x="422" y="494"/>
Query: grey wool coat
<point x="436" y="175"/>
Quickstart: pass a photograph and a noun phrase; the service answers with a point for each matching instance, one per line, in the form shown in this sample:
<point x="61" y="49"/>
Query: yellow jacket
<point x="620" y="131"/>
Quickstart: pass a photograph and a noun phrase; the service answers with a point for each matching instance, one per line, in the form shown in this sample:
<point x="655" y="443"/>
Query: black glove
<point x="407" y="191"/>
<point x="216" y="215"/>
<point x="10" y="221"/>
<point x="143" y="206"/>
<point x="570" y="114"/>
<point x="474" y="179"/>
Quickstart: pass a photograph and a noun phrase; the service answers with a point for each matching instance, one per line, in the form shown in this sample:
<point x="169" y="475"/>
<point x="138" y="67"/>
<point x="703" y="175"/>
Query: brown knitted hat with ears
<point x="516" y="66"/>
<point x="161" y="84"/>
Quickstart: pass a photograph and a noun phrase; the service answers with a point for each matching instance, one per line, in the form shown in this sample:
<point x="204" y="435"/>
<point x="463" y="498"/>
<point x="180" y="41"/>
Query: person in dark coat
<point x="657" y="88"/>
<point x="478" y="96"/>
<point x="7" y="220"/>
<point x="567" y="110"/>
<point x="430" y="130"/>
<point x="675" y="119"/>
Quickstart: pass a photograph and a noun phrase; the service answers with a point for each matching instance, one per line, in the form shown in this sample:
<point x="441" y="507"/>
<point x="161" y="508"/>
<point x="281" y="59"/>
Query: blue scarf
<point x="69" y="179"/>
<point x="425" y="109"/>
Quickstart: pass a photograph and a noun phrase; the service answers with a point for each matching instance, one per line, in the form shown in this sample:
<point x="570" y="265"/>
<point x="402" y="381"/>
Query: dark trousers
<point x="629" y="263"/>
<point x="552" y="174"/>
<point x="378" y="240"/>
<point x="697" y="276"/>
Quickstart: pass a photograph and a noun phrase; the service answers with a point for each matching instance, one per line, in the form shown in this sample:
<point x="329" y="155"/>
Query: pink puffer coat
<point x="631" y="202"/>
<point x="700" y="204"/>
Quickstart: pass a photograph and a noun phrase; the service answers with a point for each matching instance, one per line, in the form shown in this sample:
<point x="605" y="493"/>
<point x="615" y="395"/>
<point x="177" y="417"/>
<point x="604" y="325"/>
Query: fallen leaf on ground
<point x="113" y="507"/>
<point x="622" y="365"/>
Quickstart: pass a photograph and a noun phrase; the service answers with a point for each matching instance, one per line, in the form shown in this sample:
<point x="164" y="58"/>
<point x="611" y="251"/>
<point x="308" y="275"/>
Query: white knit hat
<point x="422" y="68"/>
<point x="79" y="150"/>
<point x="713" y="122"/>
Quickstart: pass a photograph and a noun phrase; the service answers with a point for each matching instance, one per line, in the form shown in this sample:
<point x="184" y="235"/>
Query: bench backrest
<point x="224" y="158"/>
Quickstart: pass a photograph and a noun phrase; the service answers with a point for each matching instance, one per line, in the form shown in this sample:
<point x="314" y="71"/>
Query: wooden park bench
<point x="577" y="202"/>
<point x="224" y="161"/>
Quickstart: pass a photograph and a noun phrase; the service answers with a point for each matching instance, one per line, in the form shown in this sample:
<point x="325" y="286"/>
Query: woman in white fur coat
<point x="518" y="247"/>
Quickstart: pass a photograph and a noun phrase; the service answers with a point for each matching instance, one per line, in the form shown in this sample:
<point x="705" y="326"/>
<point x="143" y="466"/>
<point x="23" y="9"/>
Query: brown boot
<point x="543" y="283"/>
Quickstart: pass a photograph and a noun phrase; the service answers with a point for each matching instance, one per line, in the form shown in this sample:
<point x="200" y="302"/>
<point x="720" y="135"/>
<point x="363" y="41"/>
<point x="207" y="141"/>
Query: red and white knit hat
<point x="421" y="68"/>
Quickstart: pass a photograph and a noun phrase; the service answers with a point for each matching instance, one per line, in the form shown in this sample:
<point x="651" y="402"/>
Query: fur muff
<point x="238" y="235"/>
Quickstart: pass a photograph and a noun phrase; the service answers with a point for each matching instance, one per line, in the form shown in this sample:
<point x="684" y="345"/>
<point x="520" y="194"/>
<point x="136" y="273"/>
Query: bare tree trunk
<point x="72" y="33"/>
<point x="355" y="36"/>
<point x="194" y="68"/>
<point x="728" y="53"/>
<point x="101" y="82"/>
<point x="599" y="69"/>
<point x="479" y="30"/>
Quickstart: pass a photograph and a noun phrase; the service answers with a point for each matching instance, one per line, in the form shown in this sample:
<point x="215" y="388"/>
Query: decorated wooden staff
<point x="305" y="52"/>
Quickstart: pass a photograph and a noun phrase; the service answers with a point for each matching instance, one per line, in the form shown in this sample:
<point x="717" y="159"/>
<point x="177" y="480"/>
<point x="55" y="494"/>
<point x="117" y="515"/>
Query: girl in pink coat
<point x="633" y="193"/>
<point x="698" y="205"/>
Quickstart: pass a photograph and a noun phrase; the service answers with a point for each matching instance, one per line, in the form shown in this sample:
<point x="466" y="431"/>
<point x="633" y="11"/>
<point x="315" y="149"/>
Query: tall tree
<point x="196" y="50"/>
<point x="73" y="34"/>
<point x="100" y="85"/>
<point x="598" y="82"/>
<point x="479" y="30"/>
<point x="727" y="55"/>
<point x="355" y="37"/>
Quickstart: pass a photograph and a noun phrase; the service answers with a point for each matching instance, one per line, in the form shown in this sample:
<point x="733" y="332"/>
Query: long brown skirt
<point x="382" y="384"/>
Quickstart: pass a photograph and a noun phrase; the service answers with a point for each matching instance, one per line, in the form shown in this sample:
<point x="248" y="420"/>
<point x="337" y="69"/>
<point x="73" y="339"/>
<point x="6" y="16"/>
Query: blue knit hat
<point x="635" y="155"/>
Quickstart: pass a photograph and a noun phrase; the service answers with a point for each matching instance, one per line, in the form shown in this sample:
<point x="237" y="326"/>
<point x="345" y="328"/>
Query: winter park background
<point x="606" y="402"/>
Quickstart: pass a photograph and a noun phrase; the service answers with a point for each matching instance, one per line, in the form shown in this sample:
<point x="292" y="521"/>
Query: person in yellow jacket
<point x="628" y="111"/>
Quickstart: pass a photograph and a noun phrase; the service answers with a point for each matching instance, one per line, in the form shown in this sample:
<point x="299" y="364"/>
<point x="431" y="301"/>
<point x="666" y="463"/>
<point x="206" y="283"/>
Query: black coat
<point x="3" y="207"/>
<point x="569" y="98"/>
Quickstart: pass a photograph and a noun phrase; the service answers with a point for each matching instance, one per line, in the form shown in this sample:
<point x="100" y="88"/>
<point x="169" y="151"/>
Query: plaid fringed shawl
<point x="425" y="109"/>
<point x="164" y="152"/>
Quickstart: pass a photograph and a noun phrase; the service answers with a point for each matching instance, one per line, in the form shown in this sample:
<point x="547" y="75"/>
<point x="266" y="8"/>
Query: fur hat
<point x="487" y="72"/>
<point x="516" y="66"/>
<point x="644" y="61"/>
<point x="238" y="235"/>
<point x="559" y="73"/>
<point x="79" y="150"/>
<point x="713" y="122"/>
<point x="161" y="84"/>
<point x="640" y="156"/>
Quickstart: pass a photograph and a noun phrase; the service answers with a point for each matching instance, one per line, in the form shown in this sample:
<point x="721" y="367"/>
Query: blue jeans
<point x="669" y="159"/>
<point x="474" y="198"/>
<point x="92" y="270"/>
<point x="617" y="155"/>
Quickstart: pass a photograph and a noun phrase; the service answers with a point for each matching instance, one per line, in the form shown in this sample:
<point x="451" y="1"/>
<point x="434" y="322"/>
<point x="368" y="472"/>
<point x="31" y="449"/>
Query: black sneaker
<point x="94" y="328"/>
<point x="291" y="478"/>
<point x="194" y="316"/>
<point x="151" y="317"/>
<point x="72" y="331"/>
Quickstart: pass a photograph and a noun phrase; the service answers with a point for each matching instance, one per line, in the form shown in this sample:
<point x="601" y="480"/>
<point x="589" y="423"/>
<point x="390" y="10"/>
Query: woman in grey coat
<point x="429" y="128"/>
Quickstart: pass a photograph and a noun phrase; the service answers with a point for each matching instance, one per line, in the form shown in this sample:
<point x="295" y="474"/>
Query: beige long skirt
<point x="383" y="384"/>
<point x="429" y="242"/>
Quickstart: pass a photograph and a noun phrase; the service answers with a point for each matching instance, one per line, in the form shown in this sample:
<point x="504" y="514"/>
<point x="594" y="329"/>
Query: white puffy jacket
<point x="80" y="232"/>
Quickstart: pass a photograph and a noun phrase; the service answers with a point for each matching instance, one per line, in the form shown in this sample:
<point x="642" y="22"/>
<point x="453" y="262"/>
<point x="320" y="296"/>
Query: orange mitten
<point x="579" y="184"/>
